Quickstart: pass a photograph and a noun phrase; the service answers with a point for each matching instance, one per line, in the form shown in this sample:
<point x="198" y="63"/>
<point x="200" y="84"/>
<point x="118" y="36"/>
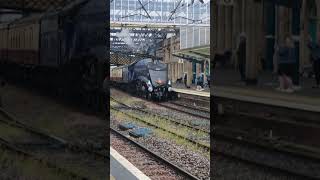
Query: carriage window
<point x="31" y="34"/>
<point x="13" y="39"/>
<point x="24" y="39"/>
<point x="19" y="39"/>
<point x="31" y="38"/>
<point x="16" y="39"/>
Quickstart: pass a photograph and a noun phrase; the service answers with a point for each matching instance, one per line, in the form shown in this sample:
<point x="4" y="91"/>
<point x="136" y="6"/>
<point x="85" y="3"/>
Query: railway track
<point x="264" y="165"/>
<point x="268" y="129"/>
<point x="160" y="116"/>
<point x="266" y="152"/>
<point x="184" y="106"/>
<point x="189" y="97"/>
<point x="187" y="109"/>
<point x="269" y="169"/>
<point x="154" y="125"/>
<point x="11" y="147"/>
<point x="153" y="164"/>
<point x="252" y="162"/>
<point x="277" y="146"/>
<point x="198" y="100"/>
<point x="188" y="105"/>
<point x="43" y="147"/>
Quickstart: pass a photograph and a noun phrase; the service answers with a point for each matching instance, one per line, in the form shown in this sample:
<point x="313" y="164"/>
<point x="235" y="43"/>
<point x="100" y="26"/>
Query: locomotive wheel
<point x="139" y="92"/>
<point x="165" y="97"/>
<point x="150" y="96"/>
<point x="137" y="89"/>
<point x="146" y="94"/>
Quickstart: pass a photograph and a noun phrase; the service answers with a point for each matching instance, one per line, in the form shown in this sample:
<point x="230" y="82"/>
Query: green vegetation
<point x="19" y="167"/>
<point x="52" y="124"/>
<point x="169" y="129"/>
<point x="11" y="133"/>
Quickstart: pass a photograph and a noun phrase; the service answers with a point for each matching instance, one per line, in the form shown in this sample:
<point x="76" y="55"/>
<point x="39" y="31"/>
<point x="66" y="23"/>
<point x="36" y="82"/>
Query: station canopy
<point x="195" y="54"/>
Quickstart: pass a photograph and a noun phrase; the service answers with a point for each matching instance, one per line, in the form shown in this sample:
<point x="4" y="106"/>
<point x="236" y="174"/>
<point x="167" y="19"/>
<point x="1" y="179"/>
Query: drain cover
<point x="140" y="132"/>
<point x="126" y="126"/>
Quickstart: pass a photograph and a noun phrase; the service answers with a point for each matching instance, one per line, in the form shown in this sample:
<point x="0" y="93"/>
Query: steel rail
<point x="159" y="116"/>
<point x="12" y="121"/>
<point x="183" y="111"/>
<point x="11" y="147"/>
<point x="198" y="108"/>
<point x="158" y="157"/>
<point x="204" y="146"/>
<point x="265" y="166"/>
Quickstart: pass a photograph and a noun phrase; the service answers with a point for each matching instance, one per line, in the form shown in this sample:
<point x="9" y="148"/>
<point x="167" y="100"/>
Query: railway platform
<point x="268" y="97"/>
<point x="180" y="88"/>
<point x="262" y="100"/>
<point x="266" y="81"/>
<point x="227" y="85"/>
<point x="121" y="168"/>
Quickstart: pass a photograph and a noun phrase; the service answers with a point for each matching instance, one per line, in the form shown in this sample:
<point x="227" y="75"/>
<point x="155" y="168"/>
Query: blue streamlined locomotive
<point x="147" y="77"/>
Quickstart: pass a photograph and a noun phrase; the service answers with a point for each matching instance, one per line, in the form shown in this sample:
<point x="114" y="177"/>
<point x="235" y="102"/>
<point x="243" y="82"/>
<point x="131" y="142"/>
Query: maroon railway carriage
<point x="23" y="41"/>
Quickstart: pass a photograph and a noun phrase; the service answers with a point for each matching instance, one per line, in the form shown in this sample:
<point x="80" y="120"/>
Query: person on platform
<point x="292" y="64"/>
<point x="200" y="82"/>
<point x="185" y="79"/>
<point x="286" y="66"/>
<point x="241" y="52"/>
<point x="315" y="60"/>
<point x="207" y="74"/>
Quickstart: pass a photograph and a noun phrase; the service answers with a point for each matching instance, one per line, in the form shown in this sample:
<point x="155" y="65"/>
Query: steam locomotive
<point x="146" y="77"/>
<point x="63" y="50"/>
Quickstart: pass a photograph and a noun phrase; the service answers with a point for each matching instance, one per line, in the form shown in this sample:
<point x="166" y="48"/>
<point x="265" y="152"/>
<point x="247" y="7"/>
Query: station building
<point x="265" y="24"/>
<point x="187" y="54"/>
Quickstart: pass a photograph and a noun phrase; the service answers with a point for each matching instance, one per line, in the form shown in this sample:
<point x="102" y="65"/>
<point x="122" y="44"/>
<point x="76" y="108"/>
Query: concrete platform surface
<point x="268" y="97"/>
<point x="266" y="81"/>
<point x="193" y="87"/>
<point x="122" y="169"/>
<point x="192" y="92"/>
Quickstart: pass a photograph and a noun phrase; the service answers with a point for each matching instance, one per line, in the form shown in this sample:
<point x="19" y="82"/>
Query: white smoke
<point x="124" y="35"/>
<point x="140" y="47"/>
